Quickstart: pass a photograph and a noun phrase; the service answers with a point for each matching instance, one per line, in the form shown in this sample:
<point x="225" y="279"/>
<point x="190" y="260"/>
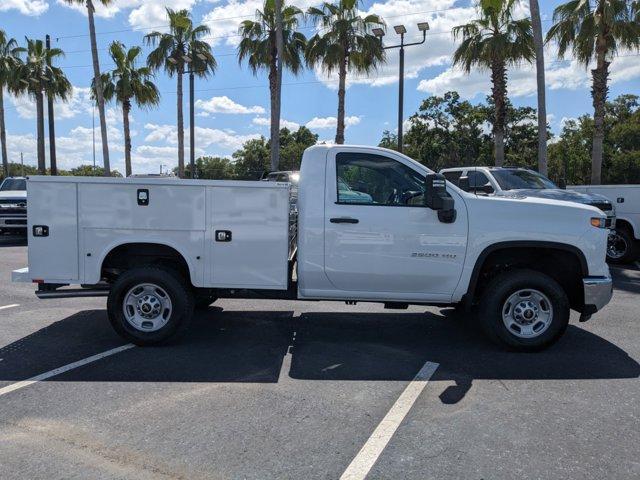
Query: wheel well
<point x="623" y="224"/>
<point x="564" y="266"/>
<point x="129" y="255"/>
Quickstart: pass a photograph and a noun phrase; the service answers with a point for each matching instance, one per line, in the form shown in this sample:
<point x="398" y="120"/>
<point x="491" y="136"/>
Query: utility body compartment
<point x="231" y="234"/>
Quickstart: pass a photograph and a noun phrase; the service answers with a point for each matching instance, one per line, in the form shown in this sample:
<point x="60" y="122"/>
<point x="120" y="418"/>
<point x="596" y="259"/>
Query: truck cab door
<point x="380" y="239"/>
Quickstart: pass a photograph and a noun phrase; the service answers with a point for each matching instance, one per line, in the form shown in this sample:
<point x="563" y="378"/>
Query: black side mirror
<point x="488" y="189"/>
<point x="463" y="183"/>
<point x="562" y="184"/>
<point x="437" y="198"/>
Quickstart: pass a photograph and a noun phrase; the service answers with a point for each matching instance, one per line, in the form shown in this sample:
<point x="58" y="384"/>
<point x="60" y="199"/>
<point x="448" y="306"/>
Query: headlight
<point x="598" y="222"/>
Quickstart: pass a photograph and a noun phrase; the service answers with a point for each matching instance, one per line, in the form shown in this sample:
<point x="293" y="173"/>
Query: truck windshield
<point x="517" y="179"/>
<point x="13" y="184"/>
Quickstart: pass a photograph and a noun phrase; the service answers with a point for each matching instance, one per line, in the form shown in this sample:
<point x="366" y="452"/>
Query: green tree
<point x="89" y="171"/>
<point x="16" y="169"/>
<point x="128" y="83"/>
<point x="9" y="61"/>
<point x="252" y="160"/>
<point x="96" y="76"/>
<point x="495" y="41"/>
<point x="293" y="145"/>
<point x="596" y="32"/>
<point x="258" y="49"/>
<point x="181" y="46"/>
<point x="345" y="44"/>
<point x="212" y="168"/>
<point x="37" y="77"/>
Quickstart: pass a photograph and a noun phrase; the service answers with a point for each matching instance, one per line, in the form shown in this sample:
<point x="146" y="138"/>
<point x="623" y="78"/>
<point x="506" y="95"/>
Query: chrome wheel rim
<point x="147" y="307"/>
<point x="616" y="245"/>
<point x="527" y="313"/>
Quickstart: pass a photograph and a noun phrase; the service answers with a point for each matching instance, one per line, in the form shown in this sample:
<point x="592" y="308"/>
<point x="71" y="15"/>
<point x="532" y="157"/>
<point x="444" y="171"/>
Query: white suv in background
<point x="13" y="205"/>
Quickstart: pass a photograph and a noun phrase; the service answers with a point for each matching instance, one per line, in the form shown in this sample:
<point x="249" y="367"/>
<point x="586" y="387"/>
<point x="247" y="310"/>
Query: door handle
<point x="344" y="220"/>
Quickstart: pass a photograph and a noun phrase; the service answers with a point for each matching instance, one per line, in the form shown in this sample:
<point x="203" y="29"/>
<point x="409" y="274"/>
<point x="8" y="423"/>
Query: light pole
<point x="401" y="30"/>
<point x="192" y="117"/>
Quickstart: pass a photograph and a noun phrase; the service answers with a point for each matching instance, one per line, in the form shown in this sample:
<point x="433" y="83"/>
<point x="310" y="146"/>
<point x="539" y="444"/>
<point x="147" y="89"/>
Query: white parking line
<point x="4" y="307"/>
<point x="369" y="453"/>
<point x="66" y="368"/>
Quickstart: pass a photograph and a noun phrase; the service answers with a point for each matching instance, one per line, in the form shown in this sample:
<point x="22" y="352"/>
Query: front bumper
<point x="597" y="293"/>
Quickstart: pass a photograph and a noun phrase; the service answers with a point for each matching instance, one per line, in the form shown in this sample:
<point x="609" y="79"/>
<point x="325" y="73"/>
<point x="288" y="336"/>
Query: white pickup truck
<point x="624" y="241"/>
<point x="373" y="226"/>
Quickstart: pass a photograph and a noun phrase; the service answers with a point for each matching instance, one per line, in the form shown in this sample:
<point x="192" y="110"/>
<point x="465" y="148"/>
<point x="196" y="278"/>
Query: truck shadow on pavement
<point x="250" y="346"/>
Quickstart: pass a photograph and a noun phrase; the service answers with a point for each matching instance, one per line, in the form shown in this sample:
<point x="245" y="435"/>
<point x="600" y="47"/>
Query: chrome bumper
<point x="597" y="293"/>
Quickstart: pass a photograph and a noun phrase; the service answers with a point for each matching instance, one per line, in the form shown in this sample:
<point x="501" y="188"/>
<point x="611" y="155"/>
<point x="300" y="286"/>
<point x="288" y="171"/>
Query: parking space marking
<point x="4" y="307"/>
<point x="369" y="453"/>
<point x="63" y="369"/>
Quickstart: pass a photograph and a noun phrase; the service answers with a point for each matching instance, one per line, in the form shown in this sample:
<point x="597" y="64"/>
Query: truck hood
<point x="557" y="194"/>
<point x="13" y="195"/>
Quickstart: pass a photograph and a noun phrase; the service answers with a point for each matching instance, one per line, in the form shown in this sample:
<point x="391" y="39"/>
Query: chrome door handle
<point x="344" y="220"/>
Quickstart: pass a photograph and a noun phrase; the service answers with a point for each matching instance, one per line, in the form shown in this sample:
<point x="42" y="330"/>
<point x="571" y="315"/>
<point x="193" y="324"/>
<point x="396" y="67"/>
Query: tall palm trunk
<point x="542" y="103"/>
<point x="275" y="140"/>
<point x="99" y="91"/>
<point x="126" y="108"/>
<point x="275" y="117"/>
<point x="342" y="78"/>
<point x="499" y="92"/>
<point x="3" y="136"/>
<point x="180" y="125"/>
<point x="42" y="169"/>
<point x="599" y="92"/>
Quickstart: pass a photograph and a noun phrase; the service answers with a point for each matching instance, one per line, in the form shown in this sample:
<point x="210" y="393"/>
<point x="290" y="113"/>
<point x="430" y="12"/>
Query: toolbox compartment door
<point x="54" y="257"/>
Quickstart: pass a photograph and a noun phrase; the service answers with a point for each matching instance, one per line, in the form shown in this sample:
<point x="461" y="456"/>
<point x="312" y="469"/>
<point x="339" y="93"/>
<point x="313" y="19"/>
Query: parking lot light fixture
<point x="400" y="29"/>
<point x="378" y="32"/>
<point x="423" y="26"/>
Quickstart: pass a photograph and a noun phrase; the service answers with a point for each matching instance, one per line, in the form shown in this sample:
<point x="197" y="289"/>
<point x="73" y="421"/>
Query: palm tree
<point x="128" y="83"/>
<point x="96" y="76"/>
<point x="37" y="77"/>
<point x="344" y="44"/>
<point x="494" y="41"/>
<point x="596" y="33"/>
<point x="258" y="48"/>
<point x="538" y="45"/>
<point x="9" y="61"/>
<point x="181" y="46"/>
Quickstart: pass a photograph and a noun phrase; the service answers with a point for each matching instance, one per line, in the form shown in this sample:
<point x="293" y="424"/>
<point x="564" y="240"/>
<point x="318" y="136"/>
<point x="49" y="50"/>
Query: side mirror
<point x="488" y="189"/>
<point x="562" y="184"/>
<point x="437" y="198"/>
<point x="463" y="183"/>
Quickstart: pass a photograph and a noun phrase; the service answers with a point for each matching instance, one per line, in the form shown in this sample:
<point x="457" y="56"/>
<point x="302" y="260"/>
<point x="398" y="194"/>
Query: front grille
<point x="13" y="211"/>
<point x="604" y="206"/>
<point x="15" y="222"/>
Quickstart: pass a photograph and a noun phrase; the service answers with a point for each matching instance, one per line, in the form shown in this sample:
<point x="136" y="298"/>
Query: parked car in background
<point x="521" y="182"/>
<point x="624" y="244"/>
<point x="13" y="205"/>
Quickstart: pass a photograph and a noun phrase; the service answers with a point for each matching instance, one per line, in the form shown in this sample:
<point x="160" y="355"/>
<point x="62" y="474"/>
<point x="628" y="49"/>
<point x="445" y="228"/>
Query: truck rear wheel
<point x="149" y="305"/>
<point x="524" y="310"/>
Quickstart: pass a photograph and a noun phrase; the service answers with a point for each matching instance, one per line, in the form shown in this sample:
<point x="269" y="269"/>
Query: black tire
<point x="494" y="300"/>
<point x="203" y="302"/>
<point x="626" y="247"/>
<point x="171" y="283"/>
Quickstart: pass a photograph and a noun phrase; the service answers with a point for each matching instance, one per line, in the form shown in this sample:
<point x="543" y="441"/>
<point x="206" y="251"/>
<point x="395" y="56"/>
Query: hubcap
<point x="527" y="313"/>
<point x="147" y="307"/>
<point x="616" y="245"/>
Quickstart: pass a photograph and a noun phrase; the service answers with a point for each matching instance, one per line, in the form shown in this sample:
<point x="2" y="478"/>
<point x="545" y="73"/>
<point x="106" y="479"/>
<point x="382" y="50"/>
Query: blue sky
<point x="233" y="106"/>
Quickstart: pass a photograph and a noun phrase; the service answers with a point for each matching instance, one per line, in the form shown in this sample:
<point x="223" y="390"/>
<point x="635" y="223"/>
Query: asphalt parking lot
<point x="306" y="390"/>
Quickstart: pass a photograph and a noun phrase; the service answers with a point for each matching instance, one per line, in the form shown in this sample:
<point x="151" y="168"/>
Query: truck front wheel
<point x="149" y="305"/>
<point x="524" y="310"/>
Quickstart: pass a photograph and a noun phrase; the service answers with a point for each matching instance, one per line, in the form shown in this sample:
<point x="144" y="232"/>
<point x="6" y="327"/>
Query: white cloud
<point x="205" y="137"/>
<point x="266" y="122"/>
<point x="26" y="7"/>
<point x="559" y="74"/>
<point x="159" y="133"/>
<point x="225" y="105"/>
<point x="319" y="123"/>
<point x="79" y="103"/>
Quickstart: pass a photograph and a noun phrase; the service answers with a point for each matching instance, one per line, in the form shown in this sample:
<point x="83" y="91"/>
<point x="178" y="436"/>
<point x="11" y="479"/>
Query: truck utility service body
<point x="373" y="225"/>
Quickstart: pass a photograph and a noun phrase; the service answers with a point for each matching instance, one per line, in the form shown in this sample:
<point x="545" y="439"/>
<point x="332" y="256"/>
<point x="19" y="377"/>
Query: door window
<point x="477" y="179"/>
<point x="368" y="179"/>
<point x="453" y="177"/>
